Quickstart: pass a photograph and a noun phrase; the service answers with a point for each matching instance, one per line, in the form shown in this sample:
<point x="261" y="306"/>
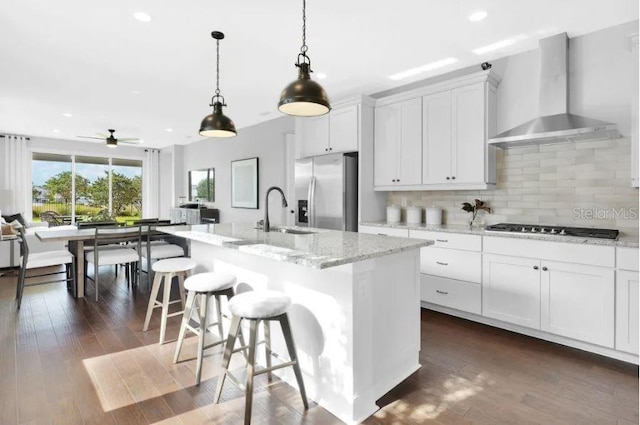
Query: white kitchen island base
<point x="356" y="326"/>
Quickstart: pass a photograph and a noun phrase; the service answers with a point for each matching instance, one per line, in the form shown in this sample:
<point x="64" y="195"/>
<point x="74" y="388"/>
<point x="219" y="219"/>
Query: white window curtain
<point x="15" y="173"/>
<point x="150" y="184"/>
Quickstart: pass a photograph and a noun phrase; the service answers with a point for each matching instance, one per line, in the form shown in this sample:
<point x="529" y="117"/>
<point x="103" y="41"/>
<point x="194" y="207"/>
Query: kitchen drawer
<point x="451" y="293"/>
<point x="595" y="255"/>
<point x="451" y="263"/>
<point x="384" y="231"/>
<point x="627" y="258"/>
<point x="450" y="240"/>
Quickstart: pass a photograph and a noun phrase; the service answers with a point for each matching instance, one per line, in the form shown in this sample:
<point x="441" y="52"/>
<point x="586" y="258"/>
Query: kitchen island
<point x="356" y="303"/>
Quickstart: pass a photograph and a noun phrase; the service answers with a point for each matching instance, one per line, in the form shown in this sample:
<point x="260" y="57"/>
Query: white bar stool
<point x="258" y="306"/>
<point x="167" y="270"/>
<point x="202" y="286"/>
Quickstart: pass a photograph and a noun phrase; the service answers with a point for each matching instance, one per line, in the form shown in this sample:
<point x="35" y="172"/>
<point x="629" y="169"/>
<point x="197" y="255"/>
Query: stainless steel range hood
<point x="556" y="124"/>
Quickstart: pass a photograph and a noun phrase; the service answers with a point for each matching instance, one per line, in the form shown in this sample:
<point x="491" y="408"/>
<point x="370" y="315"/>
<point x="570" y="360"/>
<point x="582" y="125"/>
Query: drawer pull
<point x="442" y="240"/>
<point x="442" y="264"/>
<point x="442" y="292"/>
<point x="382" y="234"/>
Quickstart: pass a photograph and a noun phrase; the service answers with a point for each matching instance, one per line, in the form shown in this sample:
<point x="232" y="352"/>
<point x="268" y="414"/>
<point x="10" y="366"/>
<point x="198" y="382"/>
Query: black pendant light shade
<point x="304" y="97"/>
<point x="217" y="124"/>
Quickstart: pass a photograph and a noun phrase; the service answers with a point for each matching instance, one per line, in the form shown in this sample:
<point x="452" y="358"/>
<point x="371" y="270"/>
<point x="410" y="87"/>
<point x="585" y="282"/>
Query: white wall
<point x="265" y="141"/>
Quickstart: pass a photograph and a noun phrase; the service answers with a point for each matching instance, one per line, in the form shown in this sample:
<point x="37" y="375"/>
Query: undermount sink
<point x="291" y="231"/>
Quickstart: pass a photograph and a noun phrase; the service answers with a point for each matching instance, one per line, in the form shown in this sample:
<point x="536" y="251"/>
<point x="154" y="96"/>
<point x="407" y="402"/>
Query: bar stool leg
<point x="219" y="315"/>
<point x="181" y="277"/>
<point x="204" y="302"/>
<point x="168" y="278"/>
<point x="96" y="274"/>
<point x="267" y="347"/>
<point x="291" y="347"/>
<point x="253" y="330"/>
<point x="191" y="299"/>
<point x="152" y="300"/>
<point x="228" y="350"/>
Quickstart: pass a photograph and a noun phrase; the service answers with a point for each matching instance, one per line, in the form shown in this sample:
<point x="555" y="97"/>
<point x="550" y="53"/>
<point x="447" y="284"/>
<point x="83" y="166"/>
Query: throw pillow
<point x="7" y="230"/>
<point x="14" y="217"/>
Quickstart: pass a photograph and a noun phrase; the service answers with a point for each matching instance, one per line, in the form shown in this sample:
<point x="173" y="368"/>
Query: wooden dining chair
<point x="113" y="246"/>
<point x="38" y="260"/>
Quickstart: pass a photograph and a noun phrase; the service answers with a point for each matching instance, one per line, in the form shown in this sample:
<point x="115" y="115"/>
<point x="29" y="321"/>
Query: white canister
<point x="414" y="215"/>
<point x="393" y="214"/>
<point x="434" y="216"/>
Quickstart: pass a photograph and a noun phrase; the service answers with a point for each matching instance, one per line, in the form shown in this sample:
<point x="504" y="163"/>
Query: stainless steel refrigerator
<point x="327" y="191"/>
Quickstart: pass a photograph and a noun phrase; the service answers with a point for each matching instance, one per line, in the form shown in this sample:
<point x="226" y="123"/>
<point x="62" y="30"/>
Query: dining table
<point x="76" y="239"/>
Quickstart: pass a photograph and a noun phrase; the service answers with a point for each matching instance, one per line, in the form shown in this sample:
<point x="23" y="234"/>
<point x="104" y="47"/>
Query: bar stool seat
<point x="166" y="270"/>
<point x="201" y="287"/>
<point x="256" y="307"/>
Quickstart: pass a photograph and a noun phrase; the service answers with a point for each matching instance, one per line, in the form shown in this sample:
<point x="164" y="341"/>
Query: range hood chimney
<point x="556" y="124"/>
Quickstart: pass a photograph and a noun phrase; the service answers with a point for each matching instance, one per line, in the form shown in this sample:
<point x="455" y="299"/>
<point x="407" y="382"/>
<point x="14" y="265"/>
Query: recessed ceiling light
<point x="169" y="130"/>
<point x="68" y="115"/>
<point x="477" y="16"/>
<point x="56" y="130"/>
<point x="136" y="92"/>
<point x="499" y="44"/>
<point x="321" y="75"/>
<point x="142" y="17"/>
<point x="424" y="68"/>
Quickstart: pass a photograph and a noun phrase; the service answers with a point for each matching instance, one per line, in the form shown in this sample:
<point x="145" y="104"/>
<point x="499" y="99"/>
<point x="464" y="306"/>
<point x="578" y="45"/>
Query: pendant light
<point x="304" y="97"/>
<point x="217" y="124"/>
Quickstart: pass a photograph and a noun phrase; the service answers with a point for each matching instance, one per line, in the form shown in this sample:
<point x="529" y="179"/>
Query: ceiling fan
<point x="112" y="142"/>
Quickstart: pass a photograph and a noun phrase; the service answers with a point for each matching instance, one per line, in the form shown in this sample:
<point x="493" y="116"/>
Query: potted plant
<point x="473" y="209"/>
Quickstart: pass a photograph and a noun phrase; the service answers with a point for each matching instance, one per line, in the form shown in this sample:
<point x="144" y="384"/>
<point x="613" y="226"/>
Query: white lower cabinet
<point x="571" y="300"/>
<point x="578" y="301"/>
<point x="451" y="263"/>
<point x="511" y="290"/>
<point x="464" y="296"/>
<point x="627" y="316"/>
<point x="384" y="231"/>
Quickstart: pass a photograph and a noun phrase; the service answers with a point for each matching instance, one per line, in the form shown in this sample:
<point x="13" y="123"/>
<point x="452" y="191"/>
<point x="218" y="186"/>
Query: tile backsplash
<point x="583" y="184"/>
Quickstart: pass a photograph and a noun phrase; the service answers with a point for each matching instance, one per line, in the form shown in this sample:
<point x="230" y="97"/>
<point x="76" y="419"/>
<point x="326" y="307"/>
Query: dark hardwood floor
<point x="66" y="361"/>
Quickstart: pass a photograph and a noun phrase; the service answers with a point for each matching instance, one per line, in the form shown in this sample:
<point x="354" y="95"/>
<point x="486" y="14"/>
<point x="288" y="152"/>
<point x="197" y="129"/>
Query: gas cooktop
<point x="542" y="229"/>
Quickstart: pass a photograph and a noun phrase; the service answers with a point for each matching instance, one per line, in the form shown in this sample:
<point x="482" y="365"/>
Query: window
<point x="86" y="188"/>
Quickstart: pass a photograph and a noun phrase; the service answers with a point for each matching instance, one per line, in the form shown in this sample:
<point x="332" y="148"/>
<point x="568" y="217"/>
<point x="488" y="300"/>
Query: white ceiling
<point x="95" y="61"/>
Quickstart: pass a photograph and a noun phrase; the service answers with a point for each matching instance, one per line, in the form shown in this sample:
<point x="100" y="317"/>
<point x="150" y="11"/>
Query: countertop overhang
<point x="320" y="249"/>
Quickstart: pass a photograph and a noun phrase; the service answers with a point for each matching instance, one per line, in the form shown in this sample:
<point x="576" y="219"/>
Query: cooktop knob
<point x="542" y="230"/>
<point x="524" y="229"/>
<point x="534" y="230"/>
<point x="553" y="231"/>
<point x="562" y="232"/>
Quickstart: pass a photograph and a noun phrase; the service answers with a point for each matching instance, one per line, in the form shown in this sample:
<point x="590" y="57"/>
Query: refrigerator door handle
<point x="312" y="202"/>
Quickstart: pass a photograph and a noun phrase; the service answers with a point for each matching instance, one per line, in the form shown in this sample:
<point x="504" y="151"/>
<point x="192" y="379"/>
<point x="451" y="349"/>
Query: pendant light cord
<point x="304" y="47"/>
<point x="217" y="67"/>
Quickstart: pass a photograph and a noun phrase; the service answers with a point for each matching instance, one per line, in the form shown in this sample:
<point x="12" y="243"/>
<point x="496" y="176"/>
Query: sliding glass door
<point x="78" y="188"/>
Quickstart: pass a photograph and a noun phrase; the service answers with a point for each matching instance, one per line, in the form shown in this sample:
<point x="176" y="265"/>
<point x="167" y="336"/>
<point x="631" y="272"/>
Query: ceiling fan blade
<point x="130" y="141"/>
<point x="104" y="136"/>
<point x="90" y="137"/>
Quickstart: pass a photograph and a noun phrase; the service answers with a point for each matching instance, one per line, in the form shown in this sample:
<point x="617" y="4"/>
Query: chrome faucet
<point x="265" y="225"/>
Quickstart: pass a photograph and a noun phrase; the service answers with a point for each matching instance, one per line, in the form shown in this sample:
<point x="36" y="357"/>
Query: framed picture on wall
<point x="244" y="183"/>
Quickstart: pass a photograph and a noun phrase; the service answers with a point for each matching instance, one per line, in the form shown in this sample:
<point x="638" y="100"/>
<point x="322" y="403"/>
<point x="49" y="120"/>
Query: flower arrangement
<point x="477" y="206"/>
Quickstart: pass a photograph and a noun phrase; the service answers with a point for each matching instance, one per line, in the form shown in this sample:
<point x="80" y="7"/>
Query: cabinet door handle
<point x="442" y="292"/>
<point x="442" y="240"/>
<point x="453" y="177"/>
<point x="397" y="180"/>
<point x="448" y="178"/>
<point x="442" y="264"/>
<point x="544" y="269"/>
<point x="326" y="149"/>
<point x="535" y="267"/>
<point x="330" y="149"/>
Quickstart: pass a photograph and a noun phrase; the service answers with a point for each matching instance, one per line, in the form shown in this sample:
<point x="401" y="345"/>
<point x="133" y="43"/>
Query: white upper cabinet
<point x="456" y="119"/>
<point x="314" y="137"/>
<point x="398" y="144"/>
<point x="334" y="132"/>
<point x="343" y="129"/>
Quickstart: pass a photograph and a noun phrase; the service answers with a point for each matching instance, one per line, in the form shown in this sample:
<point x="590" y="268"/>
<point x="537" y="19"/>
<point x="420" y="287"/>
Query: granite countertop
<point x="321" y="249"/>
<point x="627" y="240"/>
